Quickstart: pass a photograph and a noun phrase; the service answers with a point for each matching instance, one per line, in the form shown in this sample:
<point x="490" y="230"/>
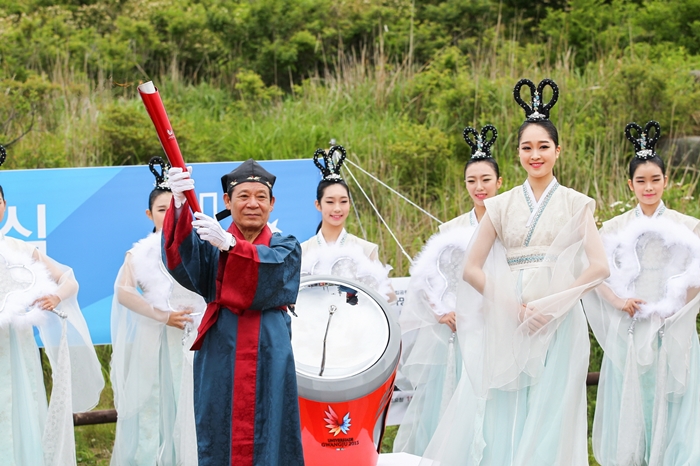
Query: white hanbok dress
<point x="648" y="405"/>
<point x="523" y="401"/>
<point x="433" y="362"/>
<point x="318" y="242"/>
<point x="467" y="221"/>
<point x="151" y="363"/>
<point x="319" y="257"/>
<point x="33" y="432"/>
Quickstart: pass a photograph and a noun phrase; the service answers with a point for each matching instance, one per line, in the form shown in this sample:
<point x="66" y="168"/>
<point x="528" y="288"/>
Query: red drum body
<point x="346" y="349"/>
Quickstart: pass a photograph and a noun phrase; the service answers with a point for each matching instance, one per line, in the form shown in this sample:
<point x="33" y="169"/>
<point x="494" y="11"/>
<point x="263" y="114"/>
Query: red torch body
<point x="156" y="110"/>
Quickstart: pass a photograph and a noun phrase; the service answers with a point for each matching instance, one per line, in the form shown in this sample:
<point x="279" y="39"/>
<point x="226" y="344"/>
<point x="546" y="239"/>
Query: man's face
<point x="250" y="205"/>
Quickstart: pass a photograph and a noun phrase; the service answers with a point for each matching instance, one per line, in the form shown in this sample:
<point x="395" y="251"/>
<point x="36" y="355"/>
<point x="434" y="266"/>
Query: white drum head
<point x="356" y="334"/>
<point x="346" y="342"/>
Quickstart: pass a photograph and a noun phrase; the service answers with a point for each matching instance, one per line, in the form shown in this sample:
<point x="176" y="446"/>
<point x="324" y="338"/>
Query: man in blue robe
<point x="245" y="392"/>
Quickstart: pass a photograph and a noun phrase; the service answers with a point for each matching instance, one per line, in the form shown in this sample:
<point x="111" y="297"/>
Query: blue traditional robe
<point x="245" y="392"/>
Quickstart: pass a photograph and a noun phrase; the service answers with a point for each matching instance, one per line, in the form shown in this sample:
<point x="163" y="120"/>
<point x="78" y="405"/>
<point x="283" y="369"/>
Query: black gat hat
<point x="249" y="171"/>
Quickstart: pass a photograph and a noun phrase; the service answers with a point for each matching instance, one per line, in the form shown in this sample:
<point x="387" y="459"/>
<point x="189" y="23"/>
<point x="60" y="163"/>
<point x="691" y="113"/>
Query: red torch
<point x="156" y="110"/>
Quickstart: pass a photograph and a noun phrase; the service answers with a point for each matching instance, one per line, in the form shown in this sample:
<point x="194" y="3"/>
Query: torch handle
<point x="191" y="197"/>
<point x="154" y="106"/>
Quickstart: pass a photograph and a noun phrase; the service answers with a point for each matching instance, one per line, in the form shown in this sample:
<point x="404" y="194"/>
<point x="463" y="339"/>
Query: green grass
<point x="388" y="440"/>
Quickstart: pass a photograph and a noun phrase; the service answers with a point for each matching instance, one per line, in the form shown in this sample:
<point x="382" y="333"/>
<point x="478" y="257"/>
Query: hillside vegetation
<point x="395" y="81"/>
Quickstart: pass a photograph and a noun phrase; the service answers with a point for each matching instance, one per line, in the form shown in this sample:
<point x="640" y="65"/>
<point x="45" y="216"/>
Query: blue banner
<point x="87" y="218"/>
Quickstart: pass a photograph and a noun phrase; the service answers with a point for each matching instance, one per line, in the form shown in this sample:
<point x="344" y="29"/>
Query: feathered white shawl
<point x="22" y="281"/>
<point x="438" y="267"/>
<point x="348" y="261"/>
<point x="659" y="246"/>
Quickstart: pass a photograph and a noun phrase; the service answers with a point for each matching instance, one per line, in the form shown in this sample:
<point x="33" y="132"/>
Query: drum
<point x="346" y="350"/>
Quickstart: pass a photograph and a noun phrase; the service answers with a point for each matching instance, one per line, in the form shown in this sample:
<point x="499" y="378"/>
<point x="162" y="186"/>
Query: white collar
<point x="530" y="198"/>
<point x="660" y="209"/>
<point x="340" y="241"/>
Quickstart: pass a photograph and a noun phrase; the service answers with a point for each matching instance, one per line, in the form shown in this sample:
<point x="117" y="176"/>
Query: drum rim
<point x="354" y="386"/>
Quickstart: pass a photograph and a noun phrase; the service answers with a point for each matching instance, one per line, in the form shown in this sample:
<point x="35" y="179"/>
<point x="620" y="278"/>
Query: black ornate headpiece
<point x="481" y="147"/>
<point x="3" y="155"/>
<point x="644" y="143"/>
<point x="331" y="170"/>
<point x="537" y="111"/>
<point x="162" y="177"/>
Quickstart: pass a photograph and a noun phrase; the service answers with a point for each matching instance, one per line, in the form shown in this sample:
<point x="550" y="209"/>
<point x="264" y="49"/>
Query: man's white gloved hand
<point x="209" y="230"/>
<point x="180" y="181"/>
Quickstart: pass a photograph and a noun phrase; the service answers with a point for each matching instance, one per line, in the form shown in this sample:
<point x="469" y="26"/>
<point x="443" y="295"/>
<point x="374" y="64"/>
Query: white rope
<point x="357" y="215"/>
<point x="394" y="191"/>
<point x="376" y="211"/>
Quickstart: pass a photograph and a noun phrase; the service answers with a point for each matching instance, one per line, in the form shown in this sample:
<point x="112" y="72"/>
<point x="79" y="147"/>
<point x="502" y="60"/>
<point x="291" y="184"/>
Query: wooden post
<point x="106" y="416"/>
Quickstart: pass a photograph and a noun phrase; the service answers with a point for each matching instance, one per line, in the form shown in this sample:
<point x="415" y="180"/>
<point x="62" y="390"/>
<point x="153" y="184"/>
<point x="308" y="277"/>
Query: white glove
<point x="180" y="181"/>
<point x="209" y="230"/>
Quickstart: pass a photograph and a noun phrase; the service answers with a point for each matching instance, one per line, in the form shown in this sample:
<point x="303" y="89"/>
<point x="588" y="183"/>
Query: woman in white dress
<point x="644" y="317"/>
<point x="525" y="348"/>
<point x="32" y="432"/>
<point x="433" y="364"/>
<point x="322" y="254"/>
<point x="153" y="325"/>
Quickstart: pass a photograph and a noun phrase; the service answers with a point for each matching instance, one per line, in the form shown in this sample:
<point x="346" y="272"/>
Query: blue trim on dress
<point x="528" y="259"/>
<point x="527" y="198"/>
<point x="638" y="211"/>
<point x="540" y="210"/>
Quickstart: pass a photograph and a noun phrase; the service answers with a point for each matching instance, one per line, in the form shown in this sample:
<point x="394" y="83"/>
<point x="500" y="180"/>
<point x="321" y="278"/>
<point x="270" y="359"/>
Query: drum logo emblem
<point x="335" y="424"/>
